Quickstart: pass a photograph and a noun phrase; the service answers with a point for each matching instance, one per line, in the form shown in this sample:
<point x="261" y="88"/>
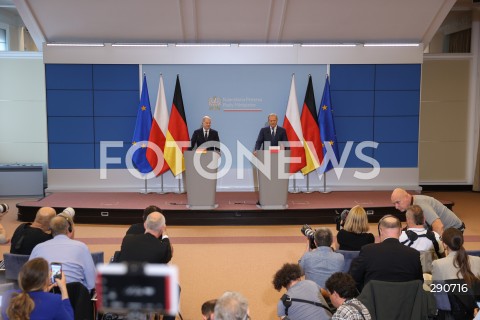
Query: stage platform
<point x="234" y="208"/>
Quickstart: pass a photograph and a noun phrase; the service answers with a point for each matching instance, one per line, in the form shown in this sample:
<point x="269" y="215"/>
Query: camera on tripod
<point x="340" y="218"/>
<point x="308" y="232"/>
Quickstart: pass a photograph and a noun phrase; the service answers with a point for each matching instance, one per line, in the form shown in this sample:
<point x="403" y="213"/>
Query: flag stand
<point x="325" y="183"/>
<point x="308" y="184"/>
<point x="146" y="188"/>
<point x="295" y="190"/>
<point x="161" y="185"/>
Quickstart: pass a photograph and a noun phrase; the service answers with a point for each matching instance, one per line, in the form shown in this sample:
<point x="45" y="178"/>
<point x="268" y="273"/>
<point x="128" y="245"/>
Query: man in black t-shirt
<point x="28" y="235"/>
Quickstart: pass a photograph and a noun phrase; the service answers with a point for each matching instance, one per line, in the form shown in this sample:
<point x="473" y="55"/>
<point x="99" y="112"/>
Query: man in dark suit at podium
<point x="272" y="135"/>
<point x="205" y="134"/>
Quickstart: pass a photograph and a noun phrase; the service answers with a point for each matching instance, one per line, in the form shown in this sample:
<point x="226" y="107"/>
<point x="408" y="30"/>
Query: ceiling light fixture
<point x="276" y="45"/>
<point x="139" y="45"/>
<point x="58" y="44"/>
<point x="202" y="45"/>
<point x="391" y="45"/>
<point x="328" y="45"/>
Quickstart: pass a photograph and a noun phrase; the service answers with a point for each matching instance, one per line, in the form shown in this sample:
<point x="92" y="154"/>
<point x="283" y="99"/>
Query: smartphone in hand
<point x="56" y="271"/>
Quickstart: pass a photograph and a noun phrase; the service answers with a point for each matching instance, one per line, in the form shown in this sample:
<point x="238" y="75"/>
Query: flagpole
<point x="145" y="191"/>
<point x="295" y="190"/>
<point x="308" y="184"/>
<point x="325" y="183"/>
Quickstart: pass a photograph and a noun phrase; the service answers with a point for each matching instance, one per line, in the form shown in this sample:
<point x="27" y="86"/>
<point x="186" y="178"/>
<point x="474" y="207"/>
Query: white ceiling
<point x="233" y="21"/>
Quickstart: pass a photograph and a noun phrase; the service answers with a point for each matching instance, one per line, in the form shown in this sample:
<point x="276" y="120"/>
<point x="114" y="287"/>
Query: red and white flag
<point x="158" y="133"/>
<point x="292" y="125"/>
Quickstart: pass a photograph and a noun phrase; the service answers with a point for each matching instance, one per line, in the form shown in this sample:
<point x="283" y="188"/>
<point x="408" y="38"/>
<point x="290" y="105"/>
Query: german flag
<point x="178" y="139"/>
<point x="311" y="131"/>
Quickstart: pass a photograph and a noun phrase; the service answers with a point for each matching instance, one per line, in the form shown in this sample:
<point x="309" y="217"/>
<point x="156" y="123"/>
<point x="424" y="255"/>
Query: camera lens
<point x="3" y="208"/>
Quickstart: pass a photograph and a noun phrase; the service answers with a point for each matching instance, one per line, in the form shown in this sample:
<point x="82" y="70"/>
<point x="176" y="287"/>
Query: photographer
<point x="343" y="293"/>
<point x="320" y="263"/>
<point x="354" y="234"/>
<point x="302" y="299"/>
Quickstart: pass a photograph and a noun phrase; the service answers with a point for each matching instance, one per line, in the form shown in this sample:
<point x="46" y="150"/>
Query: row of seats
<point x="14" y="262"/>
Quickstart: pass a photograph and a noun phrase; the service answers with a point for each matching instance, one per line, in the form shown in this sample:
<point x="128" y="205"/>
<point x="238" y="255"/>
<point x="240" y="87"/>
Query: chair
<point x="398" y="300"/>
<point x="349" y="256"/>
<point x="97" y="257"/>
<point x="452" y="301"/>
<point x="13" y="264"/>
<point x="473" y="253"/>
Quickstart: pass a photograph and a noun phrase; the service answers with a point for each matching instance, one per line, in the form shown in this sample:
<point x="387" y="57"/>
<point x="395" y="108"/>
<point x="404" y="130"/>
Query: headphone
<point x="383" y="218"/>
<point x="69" y="221"/>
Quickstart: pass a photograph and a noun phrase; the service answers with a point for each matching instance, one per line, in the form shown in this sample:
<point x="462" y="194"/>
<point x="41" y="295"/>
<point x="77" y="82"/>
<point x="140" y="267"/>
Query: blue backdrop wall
<point x="88" y="103"/>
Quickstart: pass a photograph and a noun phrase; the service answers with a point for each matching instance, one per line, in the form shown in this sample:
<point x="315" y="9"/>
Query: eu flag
<point x="142" y="131"/>
<point x="327" y="127"/>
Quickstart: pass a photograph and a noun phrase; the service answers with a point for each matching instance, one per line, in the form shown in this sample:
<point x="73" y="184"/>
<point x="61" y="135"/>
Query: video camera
<point x="137" y="287"/>
<point x="308" y="232"/>
<point x="340" y="218"/>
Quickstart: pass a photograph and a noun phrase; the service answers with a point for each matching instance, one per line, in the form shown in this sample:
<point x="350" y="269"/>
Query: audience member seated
<point x="153" y="246"/>
<point x="303" y="299"/>
<point x="28" y="235"/>
<point x="416" y="236"/>
<point x="354" y="234"/>
<point x="139" y="228"/>
<point x="76" y="259"/>
<point x="457" y="264"/>
<point x="232" y="306"/>
<point x="34" y="301"/>
<point x="343" y="293"/>
<point x="208" y="309"/>
<point x="388" y="260"/>
<point x="320" y="263"/>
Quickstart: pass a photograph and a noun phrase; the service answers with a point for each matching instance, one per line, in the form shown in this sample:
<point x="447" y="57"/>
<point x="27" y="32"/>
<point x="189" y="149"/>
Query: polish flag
<point x="292" y="125"/>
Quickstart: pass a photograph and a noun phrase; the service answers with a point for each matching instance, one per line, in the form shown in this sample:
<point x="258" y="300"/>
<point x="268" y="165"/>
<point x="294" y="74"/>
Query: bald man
<point x="388" y="260"/>
<point x="152" y="247"/>
<point x="437" y="216"/>
<point x="28" y="235"/>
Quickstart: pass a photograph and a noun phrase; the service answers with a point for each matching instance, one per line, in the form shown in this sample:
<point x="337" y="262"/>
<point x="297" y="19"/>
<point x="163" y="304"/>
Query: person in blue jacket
<point x="34" y="301"/>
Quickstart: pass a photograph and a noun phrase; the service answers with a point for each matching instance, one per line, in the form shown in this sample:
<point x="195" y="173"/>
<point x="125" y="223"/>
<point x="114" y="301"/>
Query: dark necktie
<point x="206" y="135"/>
<point x="273" y="134"/>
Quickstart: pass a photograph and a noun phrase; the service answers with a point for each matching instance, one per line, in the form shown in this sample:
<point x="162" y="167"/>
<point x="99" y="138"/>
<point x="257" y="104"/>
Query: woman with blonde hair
<point x="354" y="234"/>
<point x="34" y="301"/>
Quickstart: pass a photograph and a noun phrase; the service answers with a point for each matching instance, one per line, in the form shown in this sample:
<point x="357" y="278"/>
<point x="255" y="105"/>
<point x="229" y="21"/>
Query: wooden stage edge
<point x="234" y="208"/>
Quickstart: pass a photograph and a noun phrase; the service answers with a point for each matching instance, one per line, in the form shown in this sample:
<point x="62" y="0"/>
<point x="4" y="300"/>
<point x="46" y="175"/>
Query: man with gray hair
<point x="76" y="259"/>
<point x="231" y="306"/>
<point x="205" y="137"/>
<point x="320" y="263"/>
<point x="151" y="247"/>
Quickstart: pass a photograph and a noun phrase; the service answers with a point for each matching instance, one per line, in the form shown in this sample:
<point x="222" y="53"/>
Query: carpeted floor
<point x="212" y="260"/>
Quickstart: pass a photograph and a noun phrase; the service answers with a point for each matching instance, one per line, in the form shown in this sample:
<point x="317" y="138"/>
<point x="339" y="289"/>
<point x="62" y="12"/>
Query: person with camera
<point x="34" y="301"/>
<point x="343" y="295"/>
<point x="354" y="234"/>
<point x="303" y="299"/>
<point x="321" y="262"/>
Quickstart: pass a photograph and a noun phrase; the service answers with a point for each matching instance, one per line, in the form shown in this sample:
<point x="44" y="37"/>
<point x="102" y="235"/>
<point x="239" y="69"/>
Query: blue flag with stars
<point x="142" y="131"/>
<point x="327" y="127"/>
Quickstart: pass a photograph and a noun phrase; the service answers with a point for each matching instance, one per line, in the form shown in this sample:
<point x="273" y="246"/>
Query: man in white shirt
<point x="418" y="237"/>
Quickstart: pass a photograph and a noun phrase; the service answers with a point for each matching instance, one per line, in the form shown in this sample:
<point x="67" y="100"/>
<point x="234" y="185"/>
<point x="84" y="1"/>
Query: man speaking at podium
<point x="272" y="135"/>
<point x="205" y="134"/>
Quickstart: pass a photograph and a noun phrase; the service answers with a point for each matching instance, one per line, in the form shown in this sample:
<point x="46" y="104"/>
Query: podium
<point x="273" y="189"/>
<point x="201" y="178"/>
